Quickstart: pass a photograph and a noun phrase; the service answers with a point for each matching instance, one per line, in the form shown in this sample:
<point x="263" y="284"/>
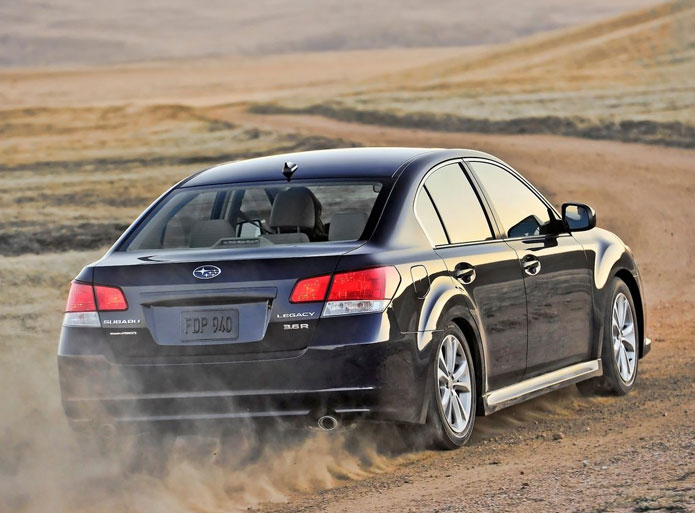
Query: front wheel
<point x="451" y="413"/>
<point x="620" y="353"/>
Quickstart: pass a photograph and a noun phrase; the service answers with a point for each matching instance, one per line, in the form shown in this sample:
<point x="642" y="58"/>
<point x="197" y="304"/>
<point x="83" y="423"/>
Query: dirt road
<point x="84" y="149"/>
<point x="563" y="452"/>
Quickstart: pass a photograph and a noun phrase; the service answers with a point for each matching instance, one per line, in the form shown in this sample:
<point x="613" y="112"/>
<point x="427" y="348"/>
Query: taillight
<point x="368" y="284"/>
<point x="310" y="289"/>
<point x="110" y="299"/>
<point x="84" y="301"/>
<point x="364" y="291"/>
<point x="80" y="298"/>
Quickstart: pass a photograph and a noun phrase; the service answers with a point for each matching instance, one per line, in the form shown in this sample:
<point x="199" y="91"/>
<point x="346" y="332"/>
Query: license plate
<point x="209" y="325"/>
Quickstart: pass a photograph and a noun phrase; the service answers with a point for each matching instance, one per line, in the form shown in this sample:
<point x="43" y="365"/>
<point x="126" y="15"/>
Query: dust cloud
<point x="50" y="471"/>
<point x="45" y="467"/>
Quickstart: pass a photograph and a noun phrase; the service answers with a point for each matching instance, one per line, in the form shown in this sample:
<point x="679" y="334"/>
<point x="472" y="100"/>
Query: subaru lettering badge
<point x="207" y="272"/>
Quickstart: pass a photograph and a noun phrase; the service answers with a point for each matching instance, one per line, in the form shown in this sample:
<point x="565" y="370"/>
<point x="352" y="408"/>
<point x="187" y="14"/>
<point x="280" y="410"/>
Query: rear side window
<point x="429" y="219"/>
<point x="458" y="205"/>
<point x="242" y="217"/>
<point x="521" y="212"/>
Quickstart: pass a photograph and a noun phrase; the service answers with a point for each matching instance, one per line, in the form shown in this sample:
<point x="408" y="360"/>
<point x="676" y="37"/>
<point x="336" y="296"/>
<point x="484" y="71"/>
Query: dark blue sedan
<point x="328" y="288"/>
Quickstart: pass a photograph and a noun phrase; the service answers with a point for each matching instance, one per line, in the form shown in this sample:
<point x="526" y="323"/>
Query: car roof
<point x="381" y="162"/>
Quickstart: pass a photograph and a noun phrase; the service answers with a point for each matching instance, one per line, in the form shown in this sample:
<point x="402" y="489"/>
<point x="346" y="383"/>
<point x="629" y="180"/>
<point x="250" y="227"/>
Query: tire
<point x="620" y="348"/>
<point x="450" y="423"/>
<point x="590" y="387"/>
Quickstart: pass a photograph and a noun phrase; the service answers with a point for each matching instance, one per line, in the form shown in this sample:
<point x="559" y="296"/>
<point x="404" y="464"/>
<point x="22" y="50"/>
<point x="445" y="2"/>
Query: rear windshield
<point x="235" y="217"/>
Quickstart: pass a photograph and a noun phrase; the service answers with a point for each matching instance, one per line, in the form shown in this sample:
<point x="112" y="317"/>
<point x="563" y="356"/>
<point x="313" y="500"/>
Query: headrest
<point x="206" y="233"/>
<point x="174" y="234"/>
<point x="293" y="207"/>
<point x="347" y="225"/>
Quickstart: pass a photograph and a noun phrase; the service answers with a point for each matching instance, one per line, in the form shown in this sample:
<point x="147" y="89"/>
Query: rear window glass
<point x="235" y="217"/>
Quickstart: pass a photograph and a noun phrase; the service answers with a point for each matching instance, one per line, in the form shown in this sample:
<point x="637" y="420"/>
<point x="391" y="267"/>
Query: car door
<point x="556" y="272"/>
<point x="488" y="270"/>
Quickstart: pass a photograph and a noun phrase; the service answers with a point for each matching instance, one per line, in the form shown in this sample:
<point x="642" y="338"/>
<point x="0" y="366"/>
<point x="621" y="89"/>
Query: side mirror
<point x="578" y="217"/>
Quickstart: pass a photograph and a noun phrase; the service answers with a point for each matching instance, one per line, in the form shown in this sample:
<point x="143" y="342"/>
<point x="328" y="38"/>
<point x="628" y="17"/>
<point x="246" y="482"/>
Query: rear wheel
<point x="620" y="352"/>
<point x="451" y="414"/>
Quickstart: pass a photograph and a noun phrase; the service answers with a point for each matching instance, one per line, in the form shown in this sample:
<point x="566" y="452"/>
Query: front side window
<point x="520" y="211"/>
<point x="458" y="205"/>
<point x="227" y="217"/>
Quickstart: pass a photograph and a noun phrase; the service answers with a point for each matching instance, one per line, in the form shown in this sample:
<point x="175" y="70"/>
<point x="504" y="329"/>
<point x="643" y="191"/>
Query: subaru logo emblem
<point x="206" y="272"/>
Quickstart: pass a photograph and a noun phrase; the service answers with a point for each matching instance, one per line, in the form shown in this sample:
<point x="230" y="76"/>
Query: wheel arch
<point x="610" y="258"/>
<point x="475" y="347"/>
<point x="453" y="305"/>
<point x="631" y="283"/>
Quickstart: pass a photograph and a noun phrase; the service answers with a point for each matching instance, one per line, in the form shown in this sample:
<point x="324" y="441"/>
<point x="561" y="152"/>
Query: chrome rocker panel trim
<point x="539" y="385"/>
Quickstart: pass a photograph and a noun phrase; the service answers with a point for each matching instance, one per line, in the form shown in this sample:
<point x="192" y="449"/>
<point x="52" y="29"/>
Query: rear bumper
<point x="380" y="381"/>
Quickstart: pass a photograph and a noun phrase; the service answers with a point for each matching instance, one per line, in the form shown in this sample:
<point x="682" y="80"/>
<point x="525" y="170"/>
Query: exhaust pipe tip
<point x="327" y="423"/>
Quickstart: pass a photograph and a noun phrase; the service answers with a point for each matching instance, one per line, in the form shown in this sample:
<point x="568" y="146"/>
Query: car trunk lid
<point x="243" y="310"/>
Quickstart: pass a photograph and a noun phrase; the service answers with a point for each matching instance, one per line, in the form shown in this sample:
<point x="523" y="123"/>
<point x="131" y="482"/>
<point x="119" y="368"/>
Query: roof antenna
<point x="288" y="170"/>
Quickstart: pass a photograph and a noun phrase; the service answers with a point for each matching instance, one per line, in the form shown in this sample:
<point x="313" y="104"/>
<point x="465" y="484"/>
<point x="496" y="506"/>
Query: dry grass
<point x="75" y="177"/>
<point x="34" y="292"/>
<point x="637" y="67"/>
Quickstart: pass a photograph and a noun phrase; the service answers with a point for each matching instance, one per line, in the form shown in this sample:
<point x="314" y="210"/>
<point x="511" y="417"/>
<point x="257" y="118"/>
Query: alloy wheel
<point x="624" y="337"/>
<point x="454" y="381"/>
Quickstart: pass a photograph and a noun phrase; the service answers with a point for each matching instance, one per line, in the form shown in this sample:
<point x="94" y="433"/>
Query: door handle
<point x="465" y="273"/>
<point x="531" y="265"/>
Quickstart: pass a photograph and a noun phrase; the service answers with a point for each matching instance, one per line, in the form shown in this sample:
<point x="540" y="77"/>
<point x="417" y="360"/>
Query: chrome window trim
<point x="525" y="182"/>
<point x="421" y="186"/>
<point x="419" y="221"/>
